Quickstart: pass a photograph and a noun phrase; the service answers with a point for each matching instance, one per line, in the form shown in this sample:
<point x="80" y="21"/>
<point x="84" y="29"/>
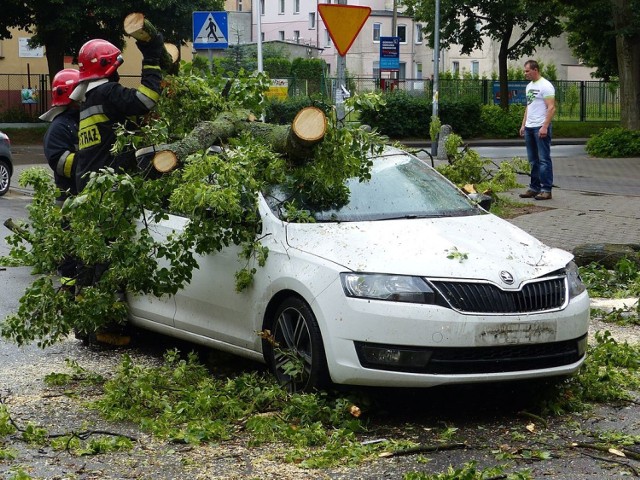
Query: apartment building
<point x="298" y="21"/>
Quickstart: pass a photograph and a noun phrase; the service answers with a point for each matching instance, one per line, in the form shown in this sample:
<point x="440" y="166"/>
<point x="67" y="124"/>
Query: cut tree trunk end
<point x="309" y="125"/>
<point x="606" y="254"/>
<point x="138" y="27"/>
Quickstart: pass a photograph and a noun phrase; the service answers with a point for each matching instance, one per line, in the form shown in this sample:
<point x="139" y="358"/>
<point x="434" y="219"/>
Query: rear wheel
<point x="295" y="351"/>
<point x="5" y="177"/>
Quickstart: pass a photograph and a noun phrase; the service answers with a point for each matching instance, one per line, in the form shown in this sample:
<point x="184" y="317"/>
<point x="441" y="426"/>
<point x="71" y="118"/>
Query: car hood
<point x="475" y="247"/>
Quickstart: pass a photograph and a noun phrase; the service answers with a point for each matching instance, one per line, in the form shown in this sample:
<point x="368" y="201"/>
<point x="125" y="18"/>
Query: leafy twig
<point x="425" y="448"/>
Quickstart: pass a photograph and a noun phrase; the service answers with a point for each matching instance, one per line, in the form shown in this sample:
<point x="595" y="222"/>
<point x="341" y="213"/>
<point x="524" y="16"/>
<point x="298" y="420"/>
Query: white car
<point x="409" y="285"/>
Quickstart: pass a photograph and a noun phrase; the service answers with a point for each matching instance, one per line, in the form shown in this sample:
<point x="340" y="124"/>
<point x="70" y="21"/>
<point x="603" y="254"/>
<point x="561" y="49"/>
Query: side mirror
<point x="481" y="199"/>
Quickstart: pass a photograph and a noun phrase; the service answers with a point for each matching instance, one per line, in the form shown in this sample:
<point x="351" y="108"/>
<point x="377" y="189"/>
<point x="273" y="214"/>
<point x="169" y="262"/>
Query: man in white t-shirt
<point x="536" y="130"/>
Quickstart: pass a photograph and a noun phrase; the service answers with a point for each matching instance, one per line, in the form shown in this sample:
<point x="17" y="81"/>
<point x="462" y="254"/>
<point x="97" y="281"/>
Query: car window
<point x="401" y="186"/>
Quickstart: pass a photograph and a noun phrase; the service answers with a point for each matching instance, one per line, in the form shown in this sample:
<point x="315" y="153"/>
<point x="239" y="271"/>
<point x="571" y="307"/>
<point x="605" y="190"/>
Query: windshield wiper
<point x="412" y="216"/>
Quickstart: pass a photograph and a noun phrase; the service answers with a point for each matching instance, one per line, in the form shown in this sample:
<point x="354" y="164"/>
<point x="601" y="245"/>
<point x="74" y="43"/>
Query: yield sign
<point x="343" y="23"/>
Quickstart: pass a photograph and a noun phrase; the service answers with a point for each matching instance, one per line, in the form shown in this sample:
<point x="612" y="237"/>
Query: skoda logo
<point x="506" y="277"/>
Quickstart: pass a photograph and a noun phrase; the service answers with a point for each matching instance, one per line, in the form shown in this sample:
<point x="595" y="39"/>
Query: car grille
<point x="474" y="360"/>
<point x="510" y="358"/>
<point x="473" y="297"/>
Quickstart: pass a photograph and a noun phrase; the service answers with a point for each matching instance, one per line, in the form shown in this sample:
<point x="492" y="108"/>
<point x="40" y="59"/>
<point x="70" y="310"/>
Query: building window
<point x="402" y="72"/>
<point x="262" y="7"/>
<point x="239" y="5"/>
<point x="418" y="71"/>
<point x="327" y="38"/>
<point x="455" y="68"/>
<point x="475" y="68"/>
<point x="312" y="20"/>
<point x="281" y="7"/>
<point x="296" y="6"/>
<point x="376" y="31"/>
<point x="401" y="32"/>
<point x="376" y="69"/>
<point x="418" y="33"/>
<point x="296" y="36"/>
<point x="262" y="36"/>
<point x="281" y="35"/>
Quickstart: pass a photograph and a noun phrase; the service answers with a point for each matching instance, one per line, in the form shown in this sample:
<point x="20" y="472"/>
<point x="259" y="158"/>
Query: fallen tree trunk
<point x="606" y="254"/>
<point x="295" y="141"/>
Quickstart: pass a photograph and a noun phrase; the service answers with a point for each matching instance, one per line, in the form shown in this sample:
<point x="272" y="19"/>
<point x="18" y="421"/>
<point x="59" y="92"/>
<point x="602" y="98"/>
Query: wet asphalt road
<point x="486" y="418"/>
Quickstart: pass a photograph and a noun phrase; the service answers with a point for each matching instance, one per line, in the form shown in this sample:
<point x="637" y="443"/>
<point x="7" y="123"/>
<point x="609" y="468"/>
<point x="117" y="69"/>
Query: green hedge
<point x="614" y="143"/>
<point x="498" y="124"/>
<point x="283" y="112"/>
<point x="406" y="116"/>
<point x="403" y="116"/>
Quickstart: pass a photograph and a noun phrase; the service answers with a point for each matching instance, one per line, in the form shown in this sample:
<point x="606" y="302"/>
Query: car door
<point x="210" y="305"/>
<point x="150" y="308"/>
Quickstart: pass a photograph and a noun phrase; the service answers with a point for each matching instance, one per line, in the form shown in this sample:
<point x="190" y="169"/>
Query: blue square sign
<point x="210" y="30"/>
<point x="389" y="53"/>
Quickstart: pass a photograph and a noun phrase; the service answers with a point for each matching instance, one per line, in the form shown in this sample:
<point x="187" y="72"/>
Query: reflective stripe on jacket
<point x="105" y="106"/>
<point x="60" y="145"/>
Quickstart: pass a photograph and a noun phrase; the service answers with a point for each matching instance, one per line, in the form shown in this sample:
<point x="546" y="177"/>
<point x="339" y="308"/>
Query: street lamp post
<point x="436" y="59"/>
<point x="259" y="39"/>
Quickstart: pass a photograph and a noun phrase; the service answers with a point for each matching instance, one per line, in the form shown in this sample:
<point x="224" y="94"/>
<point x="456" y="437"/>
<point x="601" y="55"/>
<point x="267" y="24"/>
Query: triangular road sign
<point x="343" y="23"/>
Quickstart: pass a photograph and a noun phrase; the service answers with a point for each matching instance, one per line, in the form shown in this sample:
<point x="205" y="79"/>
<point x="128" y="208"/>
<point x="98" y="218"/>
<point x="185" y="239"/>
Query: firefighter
<point x="106" y="103"/>
<point x="61" y="139"/>
<point x="60" y="146"/>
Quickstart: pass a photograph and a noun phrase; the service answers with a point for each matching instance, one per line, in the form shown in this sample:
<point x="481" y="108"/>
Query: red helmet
<point x="63" y="84"/>
<point x="98" y="59"/>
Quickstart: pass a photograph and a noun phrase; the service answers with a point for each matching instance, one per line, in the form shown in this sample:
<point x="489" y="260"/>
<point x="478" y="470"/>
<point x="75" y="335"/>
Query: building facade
<point x="298" y="21"/>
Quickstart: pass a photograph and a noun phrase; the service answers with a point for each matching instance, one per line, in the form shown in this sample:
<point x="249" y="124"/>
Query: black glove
<point x="151" y="50"/>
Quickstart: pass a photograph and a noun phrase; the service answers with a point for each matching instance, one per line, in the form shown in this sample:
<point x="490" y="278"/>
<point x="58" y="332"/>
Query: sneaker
<point x="529" y="194"/>
<point x="543" y="196"/>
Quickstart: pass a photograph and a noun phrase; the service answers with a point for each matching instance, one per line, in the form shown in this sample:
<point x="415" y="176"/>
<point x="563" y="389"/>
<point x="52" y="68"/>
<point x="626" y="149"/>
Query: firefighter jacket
<point x="60" y="147"/>
<point x="106" y="105"/>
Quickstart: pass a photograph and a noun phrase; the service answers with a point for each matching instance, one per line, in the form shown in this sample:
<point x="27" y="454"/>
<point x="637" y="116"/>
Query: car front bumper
<point x="381" y="343"/>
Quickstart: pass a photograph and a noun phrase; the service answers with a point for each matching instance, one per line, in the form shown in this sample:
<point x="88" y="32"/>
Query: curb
<point x="506" y="142"/>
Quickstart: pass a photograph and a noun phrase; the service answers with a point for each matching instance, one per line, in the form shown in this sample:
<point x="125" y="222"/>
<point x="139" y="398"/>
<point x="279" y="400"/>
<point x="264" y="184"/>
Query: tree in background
<point x="605" y="34"/>
<point x="63" y="27"/>
<point x="519" y="27"/>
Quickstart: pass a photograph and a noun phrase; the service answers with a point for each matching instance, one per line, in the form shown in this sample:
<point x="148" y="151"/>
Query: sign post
<point x="343" y="23"/>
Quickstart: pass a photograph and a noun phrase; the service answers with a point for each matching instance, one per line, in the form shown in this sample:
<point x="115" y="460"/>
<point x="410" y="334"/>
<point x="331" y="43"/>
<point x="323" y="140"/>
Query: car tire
<point x="5" y="177"/>
<point x="296" y="339"/>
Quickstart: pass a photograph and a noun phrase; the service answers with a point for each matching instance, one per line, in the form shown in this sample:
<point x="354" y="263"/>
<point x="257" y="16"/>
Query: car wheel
<point x="294" y="350"/>
<point x="5" y="177"/>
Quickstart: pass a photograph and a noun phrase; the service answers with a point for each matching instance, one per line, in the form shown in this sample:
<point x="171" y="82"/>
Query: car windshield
<point x="401" y="186"/>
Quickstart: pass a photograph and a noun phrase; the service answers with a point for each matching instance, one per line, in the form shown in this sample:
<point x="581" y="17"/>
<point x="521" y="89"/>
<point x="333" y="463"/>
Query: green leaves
<point x="614" y="142"/>
<point x="107" y="226"/>
<point x="180" y="400"/>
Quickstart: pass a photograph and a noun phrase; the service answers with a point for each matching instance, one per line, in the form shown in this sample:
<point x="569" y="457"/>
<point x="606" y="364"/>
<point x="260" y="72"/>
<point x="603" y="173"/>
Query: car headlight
<point x="393" y="288"/>
<point x="576" y="287"/>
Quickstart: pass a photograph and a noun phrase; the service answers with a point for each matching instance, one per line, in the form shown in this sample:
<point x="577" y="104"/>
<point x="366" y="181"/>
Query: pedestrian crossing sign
<point x="210" y="30"/>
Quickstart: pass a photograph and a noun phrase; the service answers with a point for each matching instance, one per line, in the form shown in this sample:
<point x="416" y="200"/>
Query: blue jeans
<point x="539" y="154"/>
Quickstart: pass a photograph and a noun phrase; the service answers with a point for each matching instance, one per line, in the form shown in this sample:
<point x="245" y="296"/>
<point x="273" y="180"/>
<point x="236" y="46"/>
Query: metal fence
<point x="25" y="97"/>
<point x="575" y="100"/>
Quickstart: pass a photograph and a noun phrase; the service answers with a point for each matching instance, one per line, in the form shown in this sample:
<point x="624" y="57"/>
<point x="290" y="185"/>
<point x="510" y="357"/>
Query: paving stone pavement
<point x="594" y="200"/>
